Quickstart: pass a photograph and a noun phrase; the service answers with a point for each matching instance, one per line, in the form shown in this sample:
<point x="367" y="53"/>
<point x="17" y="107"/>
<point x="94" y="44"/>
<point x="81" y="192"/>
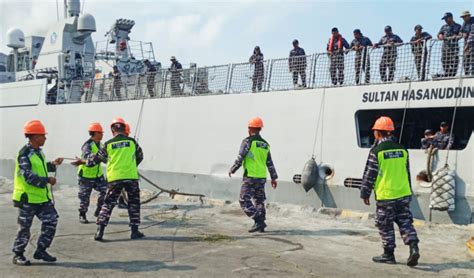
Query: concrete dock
<point x="185" y="238"/>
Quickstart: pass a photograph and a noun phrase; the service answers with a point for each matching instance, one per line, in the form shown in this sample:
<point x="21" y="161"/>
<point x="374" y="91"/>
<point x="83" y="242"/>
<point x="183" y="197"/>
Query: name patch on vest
<point x="119" y="145"/>
<point x="393" y="154"/>
<point x="261" y="145"/>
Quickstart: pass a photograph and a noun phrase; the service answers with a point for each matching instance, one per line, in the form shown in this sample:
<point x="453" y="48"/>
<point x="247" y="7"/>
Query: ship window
<point x="417" y="120"/>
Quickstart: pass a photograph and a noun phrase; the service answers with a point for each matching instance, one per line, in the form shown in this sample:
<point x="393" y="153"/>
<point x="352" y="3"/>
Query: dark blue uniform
<point x="336" y="56"/>
<point x="420" y="51"/>
<point x="253" y="188"/>
<point x="297" y="65"/>
<point x="258" y="74"/>
<point x="388" y="211"/>
<point x="176" y="69"/>
<point x="362" y="59"/>
<point x="468" y="34"/>
<point x="45" y="212"/>
<point x="450" y="48"/>
<point x="389" y="56"/>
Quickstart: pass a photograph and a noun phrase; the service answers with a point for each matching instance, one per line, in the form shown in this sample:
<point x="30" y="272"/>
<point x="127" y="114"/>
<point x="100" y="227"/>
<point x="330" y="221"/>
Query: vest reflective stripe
<point x="255" y="162"/>
<point x="393" y="179"/>
<point x="121" y="163"/>
<point x="35" y="195"/>
<point x="91" y="172"/>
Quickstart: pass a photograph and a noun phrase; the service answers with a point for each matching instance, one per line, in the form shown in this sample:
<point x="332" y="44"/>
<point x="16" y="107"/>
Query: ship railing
<point x="426" y="60"/>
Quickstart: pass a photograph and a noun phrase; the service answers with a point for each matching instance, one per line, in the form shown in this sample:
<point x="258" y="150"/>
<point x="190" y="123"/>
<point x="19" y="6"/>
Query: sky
<point x="222" y="32"/>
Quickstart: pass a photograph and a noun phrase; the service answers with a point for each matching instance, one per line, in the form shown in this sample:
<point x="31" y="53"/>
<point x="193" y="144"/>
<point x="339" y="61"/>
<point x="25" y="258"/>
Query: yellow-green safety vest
<point x="121" y="162"/>
<point x="393" y="180"/>
<point x="255" y="162"/>
<point x="24" y="192"/>
<point x="91" y="172"/>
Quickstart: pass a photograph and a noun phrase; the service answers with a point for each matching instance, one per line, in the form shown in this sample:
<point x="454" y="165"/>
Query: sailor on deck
<point x="91" y="177"/>
<point x="420" y="50"/>
<point x="255" y="155"/>
<point x="388" y="173"/>
<point x="360" y="45"/>
<point x="335" y="49"/>
<point x="467" y="32"/>
<point x="449" y="33"/>
<point x="297" y="64"/>
<point x="389" y="56"/>
<point x="150" y="77"/>
<point x="33" y="196"/>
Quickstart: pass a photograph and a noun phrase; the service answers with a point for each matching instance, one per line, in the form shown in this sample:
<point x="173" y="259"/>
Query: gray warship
<point x="64" y="80"/>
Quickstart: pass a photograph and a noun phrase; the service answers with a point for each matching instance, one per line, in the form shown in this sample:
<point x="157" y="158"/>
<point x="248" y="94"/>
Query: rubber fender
<point x="310" y="175"/>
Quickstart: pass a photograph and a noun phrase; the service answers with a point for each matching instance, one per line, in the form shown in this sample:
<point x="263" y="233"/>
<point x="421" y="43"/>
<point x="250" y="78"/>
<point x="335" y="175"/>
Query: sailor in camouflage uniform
<point x="255" y="155"/>
<point x="122" y="155"/>
<point x="449" y="34"/>
<point x="32" y="195"/>
<point x="389" y="56"/>
<point x="91" y="177"/>
<point x="388" y="173"/>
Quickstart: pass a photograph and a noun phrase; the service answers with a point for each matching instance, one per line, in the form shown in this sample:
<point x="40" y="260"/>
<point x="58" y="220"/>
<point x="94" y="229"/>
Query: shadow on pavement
<point x="126" y="266"/>
<point x="445" y="266"/>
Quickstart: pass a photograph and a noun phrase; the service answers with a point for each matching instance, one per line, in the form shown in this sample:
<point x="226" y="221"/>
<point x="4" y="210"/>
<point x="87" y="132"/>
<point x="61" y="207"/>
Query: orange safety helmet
<point x="256" y="123"/>
<point x="95" y="127"/>
<point x="384" y="123"/>
<point x="34" y="127"/>
<point x="117" y="120"/>
<point x="127" y="129"/>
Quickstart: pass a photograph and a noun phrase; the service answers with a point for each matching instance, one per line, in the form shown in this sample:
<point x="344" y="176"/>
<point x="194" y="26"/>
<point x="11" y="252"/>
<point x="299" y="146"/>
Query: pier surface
<point x="185" y="238"/>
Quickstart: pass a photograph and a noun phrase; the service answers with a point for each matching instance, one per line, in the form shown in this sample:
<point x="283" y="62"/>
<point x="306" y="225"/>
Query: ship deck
<point x="185" y="238"/>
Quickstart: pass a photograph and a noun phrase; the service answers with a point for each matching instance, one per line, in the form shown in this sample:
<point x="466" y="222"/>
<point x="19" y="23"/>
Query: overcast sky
<point x="221" y="32"/>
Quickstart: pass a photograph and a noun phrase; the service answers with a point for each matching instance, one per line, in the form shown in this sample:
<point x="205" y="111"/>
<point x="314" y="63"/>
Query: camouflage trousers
<point x="48" y="216"/>
<point x="397" y="211"/>
<point x="252" y="198"/>
<point x="85" y="190"/>
<point x="113" y="192"/>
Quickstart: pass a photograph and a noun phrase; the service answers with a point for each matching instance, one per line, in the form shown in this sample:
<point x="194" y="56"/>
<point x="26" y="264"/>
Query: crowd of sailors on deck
<point x="450" y="33"/>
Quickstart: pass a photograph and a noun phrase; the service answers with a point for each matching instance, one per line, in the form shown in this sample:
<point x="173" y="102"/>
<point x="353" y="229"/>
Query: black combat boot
<point x="43" y="255"/>
<point x="19" y="259"/>
<point x="387" y="257"/>
<point x="100" y="233"/>
<point x="414" y="254"/>
<point x="136" y="233"/>
<point x="83" y="218"/>
<point x="259" y="226"/>
<point x="97" y="212"/>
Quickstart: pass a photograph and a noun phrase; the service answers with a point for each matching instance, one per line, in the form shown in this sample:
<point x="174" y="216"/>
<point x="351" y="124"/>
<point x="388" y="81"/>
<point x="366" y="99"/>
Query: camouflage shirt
<point x="443" y="141"/>
<point x="244" y="149"/>
<point x="102" y="155"/>
<point x="25" y="168"/>
<point x="87" y="154"/>
<point x="372" y="170"/>
<point x="449" y="31"/>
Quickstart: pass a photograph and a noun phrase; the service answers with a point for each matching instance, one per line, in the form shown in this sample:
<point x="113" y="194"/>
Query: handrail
<point x="430" y="60"/>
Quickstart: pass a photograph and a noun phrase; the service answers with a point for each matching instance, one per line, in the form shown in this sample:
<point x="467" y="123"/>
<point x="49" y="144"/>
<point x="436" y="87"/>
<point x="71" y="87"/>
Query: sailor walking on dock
<point x="91" y="177"/>
<point x="388" y="173"/>
<point x="255" y="155"/>
<point x="32" y="195"/>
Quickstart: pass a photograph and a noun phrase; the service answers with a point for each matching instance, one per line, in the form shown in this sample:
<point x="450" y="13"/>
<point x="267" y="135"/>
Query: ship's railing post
<point x="230" y="70"/>
<point x="269" y="75"/>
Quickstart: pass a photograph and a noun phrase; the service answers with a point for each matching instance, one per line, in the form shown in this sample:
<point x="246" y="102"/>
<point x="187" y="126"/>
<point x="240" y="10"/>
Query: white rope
<point x="453" y="120"/>
<point x="443" y="190"/>
<point x="321" y="111"/>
